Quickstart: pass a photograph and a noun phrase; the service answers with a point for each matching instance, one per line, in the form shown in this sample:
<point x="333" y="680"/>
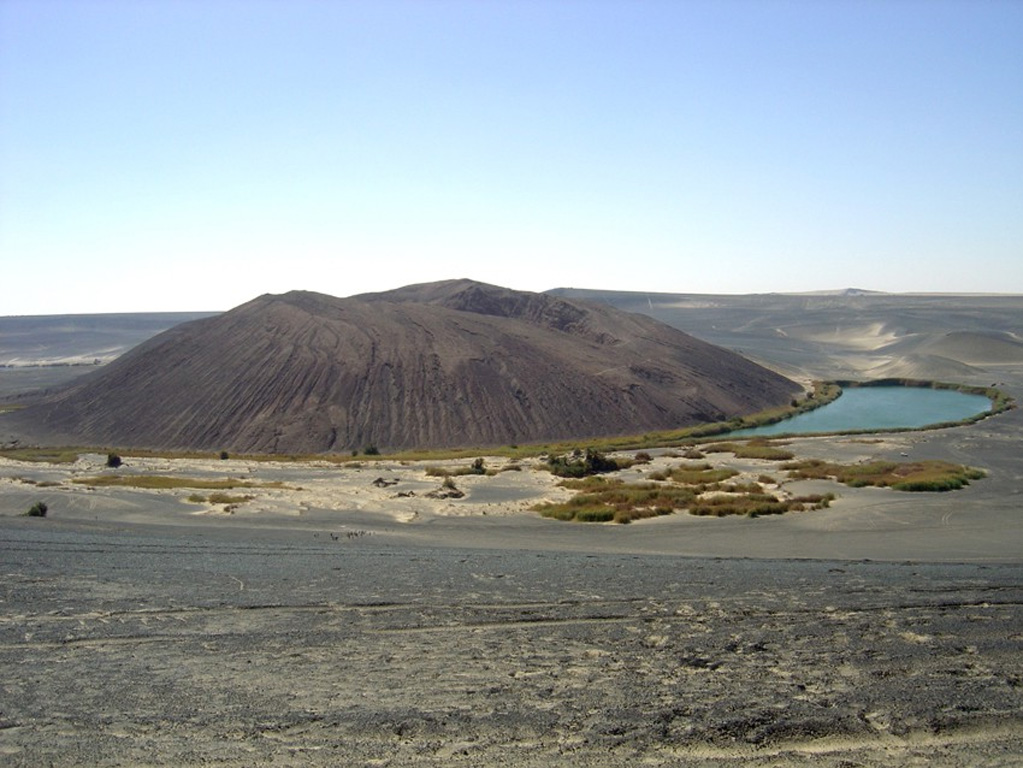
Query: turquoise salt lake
<point x="887" y="407"/>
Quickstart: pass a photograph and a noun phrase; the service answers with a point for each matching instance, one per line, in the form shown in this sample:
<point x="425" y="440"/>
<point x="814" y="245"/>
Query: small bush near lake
<point x="219" y="498"/>
<point x="901" y="476"/>
<point x="579" y="464"/>
<point x="38" y="509"/>
<point x="754" y="449"/>
<point x="113" y="460"/>
<point x="447" y="490"/>
<point x="478" y="467"/>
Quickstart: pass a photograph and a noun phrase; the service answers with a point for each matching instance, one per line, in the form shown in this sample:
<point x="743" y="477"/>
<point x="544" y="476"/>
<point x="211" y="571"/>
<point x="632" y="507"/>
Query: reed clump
<point x="914" y="476"/>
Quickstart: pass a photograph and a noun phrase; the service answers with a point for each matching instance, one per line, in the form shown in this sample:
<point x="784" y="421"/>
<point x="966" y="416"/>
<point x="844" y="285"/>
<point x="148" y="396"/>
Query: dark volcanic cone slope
<point x="446" y="364"/>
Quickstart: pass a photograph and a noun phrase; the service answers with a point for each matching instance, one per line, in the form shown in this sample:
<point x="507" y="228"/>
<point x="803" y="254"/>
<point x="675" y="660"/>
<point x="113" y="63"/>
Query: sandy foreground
<point x="333" y="621"/>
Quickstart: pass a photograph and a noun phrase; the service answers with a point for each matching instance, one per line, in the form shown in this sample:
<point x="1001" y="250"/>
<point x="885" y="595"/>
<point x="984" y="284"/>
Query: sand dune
<point x="922" y="366"/>
<point x="992" y="348"/>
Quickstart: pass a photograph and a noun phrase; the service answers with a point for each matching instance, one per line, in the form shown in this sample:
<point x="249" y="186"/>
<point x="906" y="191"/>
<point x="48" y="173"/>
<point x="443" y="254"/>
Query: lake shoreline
<point x="888" y="405"/>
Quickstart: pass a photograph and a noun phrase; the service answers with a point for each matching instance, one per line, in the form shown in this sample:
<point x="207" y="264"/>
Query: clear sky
<point x="193" y="154"/>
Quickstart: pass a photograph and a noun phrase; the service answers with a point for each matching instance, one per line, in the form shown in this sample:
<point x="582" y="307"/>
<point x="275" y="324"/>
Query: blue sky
<point x="191" y="155"/>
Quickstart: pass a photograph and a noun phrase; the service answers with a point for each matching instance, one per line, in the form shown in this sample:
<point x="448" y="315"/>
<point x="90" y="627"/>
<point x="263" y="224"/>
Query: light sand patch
<point x="401" y="492"/>
<point x="859" y="337"/>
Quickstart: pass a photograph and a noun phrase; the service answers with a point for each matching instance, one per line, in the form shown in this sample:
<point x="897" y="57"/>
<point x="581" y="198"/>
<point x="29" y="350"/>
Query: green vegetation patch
<point x="757" y="504"/>
<point x="167" y="482"/>
<point x="606" y="501"/>
<point x="45" y="455"/>
<point x="702" y="475"/>
<point x="930" y="475"/>
<point x="701" y="492"/>
<point x="752" y="449"/>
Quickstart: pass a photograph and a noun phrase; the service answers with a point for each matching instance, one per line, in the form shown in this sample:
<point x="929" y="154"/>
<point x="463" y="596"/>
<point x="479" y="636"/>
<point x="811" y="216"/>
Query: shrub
<point x="595" y="515"/>
<point x="478" y="467"/>
<point x="224" y="456"/>
<point x="37" y="510"/>
<point x="227" y="498"/>
<point x="581" y="465"/>
<point x="371" y="450"/>
<point x="596" y="463"/>
<point x="113" y="460"/>
<point x="447" y="490"/>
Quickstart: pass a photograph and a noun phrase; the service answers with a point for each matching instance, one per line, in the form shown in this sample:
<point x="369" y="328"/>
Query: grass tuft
<point x="753" y="449"/>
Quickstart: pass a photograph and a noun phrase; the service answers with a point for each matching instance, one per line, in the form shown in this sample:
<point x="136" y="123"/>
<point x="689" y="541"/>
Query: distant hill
<point x="67" y="340"/>
<point x="969" y="338"/>
<point x="454" y="363"/>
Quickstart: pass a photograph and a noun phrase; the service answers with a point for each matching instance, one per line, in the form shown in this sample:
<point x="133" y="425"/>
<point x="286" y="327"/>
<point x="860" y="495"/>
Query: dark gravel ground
<point x="203" y="645"/>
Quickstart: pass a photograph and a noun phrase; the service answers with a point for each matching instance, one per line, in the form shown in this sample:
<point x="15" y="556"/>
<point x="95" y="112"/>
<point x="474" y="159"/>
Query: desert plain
<point x="341" y="616"/>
